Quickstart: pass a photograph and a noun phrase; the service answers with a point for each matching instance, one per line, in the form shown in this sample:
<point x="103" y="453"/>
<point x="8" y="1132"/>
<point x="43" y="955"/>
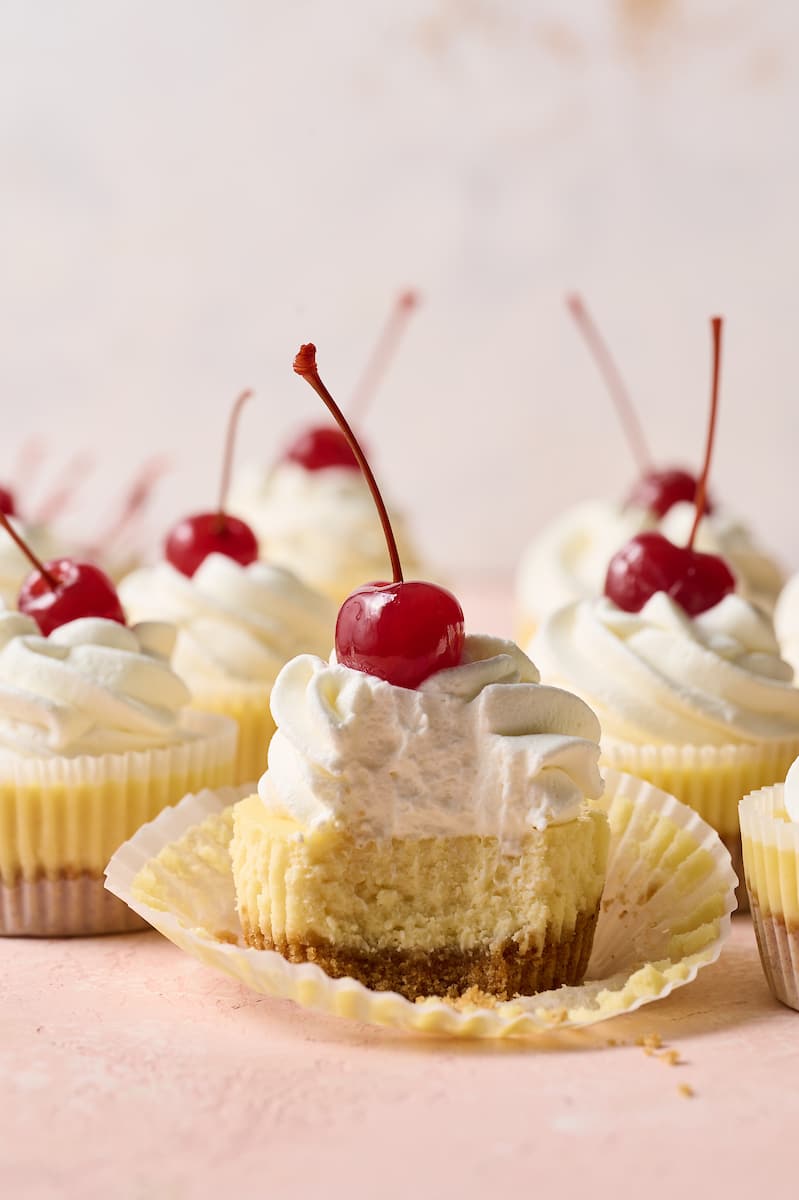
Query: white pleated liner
<point x="63" y="818"/>
<point x="773" y="893"/>
<point x="665" y="914"/>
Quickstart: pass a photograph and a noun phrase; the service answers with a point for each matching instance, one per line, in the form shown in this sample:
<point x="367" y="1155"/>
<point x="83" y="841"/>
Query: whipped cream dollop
<point x="235" y="624"/>
<point x="786" y="622"/>
<point x="660" y="676"/>
<point x="92" y="687"/>
<point x="480" y="749"/>
<point x="568" y="561"/>
<point x="791" y="794"/>
<point x="322" y="525"/>
<point x="14" y="566"/>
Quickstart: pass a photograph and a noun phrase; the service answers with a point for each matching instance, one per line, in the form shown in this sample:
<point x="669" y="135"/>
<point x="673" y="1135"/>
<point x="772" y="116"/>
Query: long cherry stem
<point x="133" y="503"/>
<point x="613" y="381"/>
<point x="32" y="558"/>
<point x="305" y="365"/>
<point x="382" y="354"/>
<point x="700" y="499"/>
<point x="71" y="480"/>
<point x="230" y="444"/>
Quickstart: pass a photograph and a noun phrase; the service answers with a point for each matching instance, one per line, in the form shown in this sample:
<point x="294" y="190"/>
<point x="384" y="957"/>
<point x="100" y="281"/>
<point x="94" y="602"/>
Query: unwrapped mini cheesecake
<point x="427" y="840"/>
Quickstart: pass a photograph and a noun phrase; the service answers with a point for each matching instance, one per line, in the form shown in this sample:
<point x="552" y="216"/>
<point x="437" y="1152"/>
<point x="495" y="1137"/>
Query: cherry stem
<point x="34" y="559"/>
<point x="384" y="350"/>
<point x="613" y="381"/>
<point x="70" y="481"/>
<point x="700" y="499"/>
<point x="230" y="444"/>
<point x="29" y="459"/>
<point x="305" y="365"/>
<point x="133" y="503"/>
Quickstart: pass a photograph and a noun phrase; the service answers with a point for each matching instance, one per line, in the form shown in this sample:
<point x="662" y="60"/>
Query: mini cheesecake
<point x="427" y="841"/>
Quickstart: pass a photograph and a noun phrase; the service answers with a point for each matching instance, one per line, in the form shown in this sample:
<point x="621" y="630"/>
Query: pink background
<point x="191" y="189"/>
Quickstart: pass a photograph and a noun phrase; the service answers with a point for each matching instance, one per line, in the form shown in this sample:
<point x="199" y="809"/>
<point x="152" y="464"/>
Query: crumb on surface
<point x="686" y="1090"/>
<point x="650" y="1042"/>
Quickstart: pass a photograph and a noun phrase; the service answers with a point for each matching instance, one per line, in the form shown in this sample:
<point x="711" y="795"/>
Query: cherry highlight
<point x="614" y="382"/>
<point x="700" y="500"/>
<point x="305" y="365"/>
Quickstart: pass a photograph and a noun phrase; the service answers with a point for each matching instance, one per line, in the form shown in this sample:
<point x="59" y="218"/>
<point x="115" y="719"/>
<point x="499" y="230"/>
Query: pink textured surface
<point x="130" y="1070"/>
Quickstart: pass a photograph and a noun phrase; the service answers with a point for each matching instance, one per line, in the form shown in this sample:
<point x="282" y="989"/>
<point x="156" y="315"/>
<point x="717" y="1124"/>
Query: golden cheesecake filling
<point x="433" y="916"/>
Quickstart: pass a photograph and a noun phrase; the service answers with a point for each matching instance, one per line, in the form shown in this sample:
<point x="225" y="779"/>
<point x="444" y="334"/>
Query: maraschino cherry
<point x="657" y="489"/>
<point x="325" y="446"/>
<point x="194" y="538"/>
<point x="401" y="631"/>
<point x="63" y="589"/>
<point x="650" y="563"/>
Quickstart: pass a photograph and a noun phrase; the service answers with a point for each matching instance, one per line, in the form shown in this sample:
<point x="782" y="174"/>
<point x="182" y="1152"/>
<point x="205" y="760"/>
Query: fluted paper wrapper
<point x="665" y="914"/>
<point x="709" y="779"/>
<point x="771" y="864"/>
<point x="249" y="708"/>
<point x="61" y="819"/>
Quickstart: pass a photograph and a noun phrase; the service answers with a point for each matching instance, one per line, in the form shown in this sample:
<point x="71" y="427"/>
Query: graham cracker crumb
<point x="670" y="1057"/>
<point x="650" y="1042"/>
<point x="686" y="1090"/>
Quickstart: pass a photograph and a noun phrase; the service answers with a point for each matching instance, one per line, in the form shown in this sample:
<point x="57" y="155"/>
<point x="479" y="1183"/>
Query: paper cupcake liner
<point x="771" y="864"/>
<point x="709" y="779"/>
<point x="61" y="819"/>
<point x="249" y="708"/>
<point x="665" y="914"/>
<point x="64" y="908"/>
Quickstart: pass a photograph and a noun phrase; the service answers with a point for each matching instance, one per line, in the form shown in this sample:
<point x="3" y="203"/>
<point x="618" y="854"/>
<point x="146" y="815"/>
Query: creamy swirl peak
<point x="236" y="624"/>
<point x="482" y="749"/>
<point x="322" y="525"/>
<point x="92" y="687"/>
<point x="791" y="795"/>
<point x="662" y="677"/>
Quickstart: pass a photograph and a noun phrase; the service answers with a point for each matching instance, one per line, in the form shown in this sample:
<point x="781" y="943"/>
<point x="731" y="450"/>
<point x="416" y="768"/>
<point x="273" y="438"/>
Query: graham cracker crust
<point x="503" y="972"/>
<point x="733" y="843"/>
<point x="778" y="944"/>
<point x="74" y="905"/>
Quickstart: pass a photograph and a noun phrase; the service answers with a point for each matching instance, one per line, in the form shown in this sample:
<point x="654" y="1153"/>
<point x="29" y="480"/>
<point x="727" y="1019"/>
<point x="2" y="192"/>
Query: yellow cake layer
<point x="70" y="827"/>
<point x="248" y="706"/>
<point x="413" y="894"/>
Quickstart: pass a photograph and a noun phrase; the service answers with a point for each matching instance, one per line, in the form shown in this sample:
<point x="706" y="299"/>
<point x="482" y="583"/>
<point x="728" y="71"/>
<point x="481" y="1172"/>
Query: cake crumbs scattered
<point x="650" y="1042"/>
<point x="686" y="1090"/>
<point x="652" y="1046"/>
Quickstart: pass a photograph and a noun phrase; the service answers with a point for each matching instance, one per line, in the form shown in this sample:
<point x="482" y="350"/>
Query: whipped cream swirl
<point x="786" y="622"/>
<point x="322" y="525"/>
<point x="91" y="687"/>
<point x="662" y="677"/>
<point x="791" y="793"/>
<point x="481" y="749"/>
<point x="568" y="561"/>
<point x="235" y="624"/>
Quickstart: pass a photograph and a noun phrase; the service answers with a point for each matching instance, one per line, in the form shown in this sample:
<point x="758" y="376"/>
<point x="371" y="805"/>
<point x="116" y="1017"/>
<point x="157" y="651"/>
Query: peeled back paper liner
<point x="665" y="914"/>
<point x="771" y="861"/>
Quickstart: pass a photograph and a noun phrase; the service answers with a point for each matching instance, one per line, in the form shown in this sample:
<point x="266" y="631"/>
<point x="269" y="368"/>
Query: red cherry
<point x="7" y="505"/>
<point x="320" y="448"/>
<point x="659" y="491"/>
<point x="65" y="590"/>
<point x="194" y="538"/>
<point x="401" y="632"/>
<point x="190" y="542"/>
<point x="650" y="563"/>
